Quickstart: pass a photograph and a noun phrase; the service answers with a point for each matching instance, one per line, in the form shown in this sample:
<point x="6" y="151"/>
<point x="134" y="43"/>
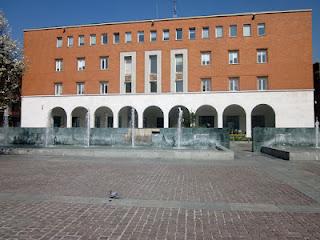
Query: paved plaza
<point x="252" y="197"/>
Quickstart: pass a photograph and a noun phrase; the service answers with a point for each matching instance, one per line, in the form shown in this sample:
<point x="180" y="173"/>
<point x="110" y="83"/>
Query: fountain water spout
<point x="179" y="128"/>
<point x="132" y="127"/>
<point x="317" y="133"/>
<point x="88" y="129"/>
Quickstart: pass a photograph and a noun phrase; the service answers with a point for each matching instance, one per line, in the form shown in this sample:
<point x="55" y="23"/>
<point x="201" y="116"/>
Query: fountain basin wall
<point x="161" y="138"/>
<point x="281" y="137"/>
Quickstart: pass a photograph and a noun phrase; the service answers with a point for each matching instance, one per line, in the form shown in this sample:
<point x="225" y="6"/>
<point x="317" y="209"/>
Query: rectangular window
<point x="247" y="30"/>
<point x="58" y="89"/>
<point x="261" y="29"/>
<point x="219" y="31"/>
<point x="103" y="87"/>
<point x="234" y="57"/>
<point x="59" y="42"/>
<point x="166" y="35"/>
<point x="179" y="63"/>
<point x="205" y="32"/>
<point x="153" y="86"/>
<point x="192" y="33"/>
<point x="141" y="36"/>
<point x="104" y="63"/>
<point x="81" y="64"/>
<point x="153" y="72"/>
<point x="80" y="88"/>
<point x="179" y="34"/>
<point x="262" y="83"/>
<point x="153" y="36"/>
<point x="116" y="38"/>
<point x="128" y="87"/>
<point x="206" y="85"/>
<point x="179" y="85"/>
<point x="128" y="73"/>
<point x="93" y="39"/>
<point x="205" y="58"/>
<point x="179" y="72"/>
<point x="81" y="40"/>
<point x="234" y="84"/>
<point x="128" y="37"/>
<point x="59" y="65"/>
<point x="233" y="31"/>
<point x="153" y="64"/>
<point x="262" y="56"/>
<point x="70" y="41"/>
<point x="104" y="38"/>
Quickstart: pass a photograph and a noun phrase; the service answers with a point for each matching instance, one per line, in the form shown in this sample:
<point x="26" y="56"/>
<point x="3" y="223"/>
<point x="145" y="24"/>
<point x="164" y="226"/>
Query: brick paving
<point x="252" y="197"/>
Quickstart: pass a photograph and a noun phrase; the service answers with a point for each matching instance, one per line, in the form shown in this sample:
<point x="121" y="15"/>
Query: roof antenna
<point x="174" y="8"/>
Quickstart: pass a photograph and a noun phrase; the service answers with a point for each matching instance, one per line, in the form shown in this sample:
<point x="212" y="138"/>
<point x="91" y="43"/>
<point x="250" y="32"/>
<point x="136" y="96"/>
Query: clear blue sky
<point x="24" y="14"/>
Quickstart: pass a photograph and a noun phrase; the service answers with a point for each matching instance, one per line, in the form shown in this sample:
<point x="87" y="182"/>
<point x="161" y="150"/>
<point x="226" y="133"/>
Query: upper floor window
<point x="205" y="32"/>
<point x="59" y="65"/>
<point x="179" y="34"/>
<point x="116" y="38"/>
<point x="103" y="87"/>
<point x="141" y="36"/>
<point x="153" y="73"/>
<point x="93" y="39"/>
<point x="80" y="88"/>
<point x="59" y="42"/>
<point x="81" y="40"/>
<point x="246" y="30"/>
<point x="206" y="84"/>
<point x="58" y="89"/>
<point x="219" y="31"/>
<point x="205" y="58"/>
<point x="262" y="83"/>
<point x="104" y="38"/>
<point x="128" y="37"/>
<point x="233" y="84"/>
<point x="261" y="29"/>
<point x="128" y="74"/>
<point x="179" y="72"/>
<point x="234" y="57"/>
<point x="233" y="31"/>
<point x="153" y="36"/>
<point x="192" y="33"/>
<point x="81" y="64"/>
<point x="104" y="63"/>
<point x="70" y="41"/>
<point x="262" y="56"/>
<point x="166" y="35"/>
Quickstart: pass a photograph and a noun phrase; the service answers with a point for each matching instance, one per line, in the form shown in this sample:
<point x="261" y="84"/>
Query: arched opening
<point x="234" y="118"/>
<point x="103" y="118"/>
<point x="153" y="117"/>
<point x="58" y="118"/>
<point x="263" y="116"/>
<point x="125" y="115"/>
<point x="79" y="117"/>
<point x="174" y="115"/>
<point x="206" y="117"/>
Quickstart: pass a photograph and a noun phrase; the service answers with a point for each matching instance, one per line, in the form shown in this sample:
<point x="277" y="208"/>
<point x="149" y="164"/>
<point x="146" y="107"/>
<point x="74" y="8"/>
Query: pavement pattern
<point x="252" y="197"/>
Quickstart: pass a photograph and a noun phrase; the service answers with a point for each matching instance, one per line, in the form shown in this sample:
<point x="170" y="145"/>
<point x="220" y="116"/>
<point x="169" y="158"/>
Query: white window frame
<point x="79" y="40"/>
<point x="246" y="30"/>
<point x="151" y="38"/>
<point x="70" y="41"/>
<point x="58" y="89"/>
<point x="234" y="84"/>
<point x="176" y="76"/>
<point x="206" y="85"/>
<point x="103" y="85"/>
<point x="128" y="37"/>
<point x="203" y="35"/>
<point x="93" y="39"/>
<point x="59" y="64"/>
<point x="234" y="57"/>
<point x="81" y="64"/>
<point x="80" y="88"/>
<point x="219" y="34"/>
<point x="114" y="38"/>
<point x="262" y="56"/>
<point x="230" y="30"/>
<point x="205" y="58"/>
<point x="164" y="33"/>
<point x="262" y="83"/>
<point x="101" y="39"/>
<point x="104" y="62"/>
<point x="192" y="29"/>
<point x="261" y="25"/>
<point x="59" y="42"/>
<point x="140" y="34"/>
<point x="179" y="30"/>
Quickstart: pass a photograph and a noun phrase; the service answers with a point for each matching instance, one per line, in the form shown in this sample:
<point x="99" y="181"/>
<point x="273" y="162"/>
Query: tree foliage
<point x="11" y="66"/>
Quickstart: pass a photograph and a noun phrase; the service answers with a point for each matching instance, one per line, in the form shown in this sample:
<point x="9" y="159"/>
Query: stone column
<point x="248" y="125"/>
<point x="220" y="119"/>
<point x="165" y="119"/>
<point x="116" y="119"/>
<point x="69" y="120"/>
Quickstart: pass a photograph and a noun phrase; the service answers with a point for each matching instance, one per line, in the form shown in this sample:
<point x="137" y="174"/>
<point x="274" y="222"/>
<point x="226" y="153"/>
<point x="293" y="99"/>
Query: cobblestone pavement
<point x="252" y="197"/>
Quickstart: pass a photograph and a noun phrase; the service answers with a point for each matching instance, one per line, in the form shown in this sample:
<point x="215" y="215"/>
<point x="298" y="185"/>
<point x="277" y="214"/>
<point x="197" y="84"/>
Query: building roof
<point x="168" y="19"/>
